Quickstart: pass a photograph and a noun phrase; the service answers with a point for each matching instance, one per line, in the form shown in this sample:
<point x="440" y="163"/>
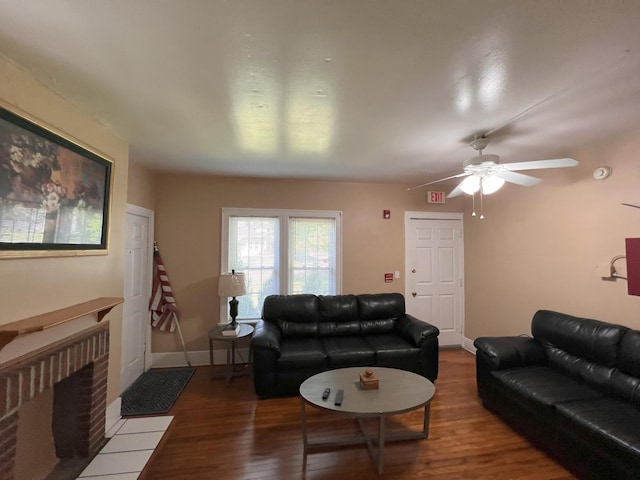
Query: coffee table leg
<point x="211" y="355"/>
<point x="303" y="417"/>
<point x="425" y="425"/>
<point x="381" y="444"/>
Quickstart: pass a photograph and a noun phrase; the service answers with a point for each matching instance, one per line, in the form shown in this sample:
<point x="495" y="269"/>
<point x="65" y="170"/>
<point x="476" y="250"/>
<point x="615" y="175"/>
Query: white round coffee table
<point x="399" y="392"/>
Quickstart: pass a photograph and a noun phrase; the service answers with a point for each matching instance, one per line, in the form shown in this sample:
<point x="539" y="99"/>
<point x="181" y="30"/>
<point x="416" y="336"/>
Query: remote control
<point x="339" y="397"/>
<point x="326" y="393"/>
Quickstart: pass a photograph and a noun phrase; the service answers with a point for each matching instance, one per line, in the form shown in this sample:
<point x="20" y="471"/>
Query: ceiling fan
<point x="486" y="175"/>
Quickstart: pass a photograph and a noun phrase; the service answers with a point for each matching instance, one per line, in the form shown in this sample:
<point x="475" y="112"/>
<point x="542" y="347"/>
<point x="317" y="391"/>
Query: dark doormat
<point x="155" y="391"/>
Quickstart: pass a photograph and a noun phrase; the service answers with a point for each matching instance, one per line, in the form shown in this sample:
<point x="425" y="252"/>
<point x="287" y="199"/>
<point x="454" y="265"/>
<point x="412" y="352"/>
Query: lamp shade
<point x="470" y="185"/>
<point x="232" y="284"/>
<point x="491" y="184"/>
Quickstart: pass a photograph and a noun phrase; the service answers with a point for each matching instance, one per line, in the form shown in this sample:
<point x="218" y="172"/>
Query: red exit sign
<point x="435" y="197"/>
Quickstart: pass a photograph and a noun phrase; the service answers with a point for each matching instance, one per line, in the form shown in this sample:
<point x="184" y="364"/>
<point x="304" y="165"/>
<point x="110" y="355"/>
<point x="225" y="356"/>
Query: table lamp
<point x="232" y="285"/>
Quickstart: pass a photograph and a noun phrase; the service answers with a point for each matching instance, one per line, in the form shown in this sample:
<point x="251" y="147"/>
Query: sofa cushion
<point x="296" y="315"/>
<point x="348" y="351"/>
<point x="338" y="308"/>
<point x="603" y="421"/>
<point x="381" y="306"/>
<point x="591" y="373"/>
<point x="390" y="348"/>
<point x="330" y="329"/>
<point x="543" y="385"/>
<point x="625" y="387"/>
<point x="629" y="355"/>
<point x="339" y="315"/>
<point x="301" y="353"/>
<point x="377" y="327"/>
<point x="591" y="340"/>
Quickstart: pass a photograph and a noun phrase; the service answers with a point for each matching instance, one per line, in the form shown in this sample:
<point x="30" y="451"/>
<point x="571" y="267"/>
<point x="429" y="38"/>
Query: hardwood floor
<point x="225" y="432"/>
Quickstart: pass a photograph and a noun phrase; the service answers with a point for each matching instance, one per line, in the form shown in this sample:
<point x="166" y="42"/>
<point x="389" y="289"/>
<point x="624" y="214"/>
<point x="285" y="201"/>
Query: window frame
<point x="284" y="254"/>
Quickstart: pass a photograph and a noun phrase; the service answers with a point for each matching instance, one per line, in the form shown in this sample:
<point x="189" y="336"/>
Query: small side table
<point x="216" y="334"/>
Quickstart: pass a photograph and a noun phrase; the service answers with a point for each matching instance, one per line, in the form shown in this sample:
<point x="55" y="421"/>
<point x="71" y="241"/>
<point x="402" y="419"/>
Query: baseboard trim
<point x="197" y="358"/>
<point x="112" y="415"/>
<point x="467" y="344"/>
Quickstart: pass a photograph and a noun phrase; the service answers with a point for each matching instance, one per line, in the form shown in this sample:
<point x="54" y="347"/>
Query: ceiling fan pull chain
<point x="481" y="214"/>
<point x="473" y="213"/>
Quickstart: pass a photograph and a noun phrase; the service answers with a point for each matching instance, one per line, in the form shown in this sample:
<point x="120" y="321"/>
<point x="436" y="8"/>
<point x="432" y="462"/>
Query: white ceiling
<point x="361" y="90"/>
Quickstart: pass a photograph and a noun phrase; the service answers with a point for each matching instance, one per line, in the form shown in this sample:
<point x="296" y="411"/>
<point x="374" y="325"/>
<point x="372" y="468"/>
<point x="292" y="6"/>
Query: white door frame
<point x="150" y="215"/>
<point x="439" y="216"/>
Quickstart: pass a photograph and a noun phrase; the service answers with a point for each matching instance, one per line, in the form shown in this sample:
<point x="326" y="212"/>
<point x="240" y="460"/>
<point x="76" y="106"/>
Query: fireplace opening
<point x="50" y="429"/>
<point x="54" y="411"/>
<point x="66" y="414"/>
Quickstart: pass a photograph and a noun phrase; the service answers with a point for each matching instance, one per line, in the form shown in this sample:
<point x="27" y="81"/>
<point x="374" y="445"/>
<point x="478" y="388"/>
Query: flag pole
<point x="164" y="312"/>
<point x="184" y="348"/>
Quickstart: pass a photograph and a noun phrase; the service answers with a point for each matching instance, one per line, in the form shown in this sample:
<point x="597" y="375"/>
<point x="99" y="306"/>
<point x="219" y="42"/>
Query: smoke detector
<point x="601" y="173"/>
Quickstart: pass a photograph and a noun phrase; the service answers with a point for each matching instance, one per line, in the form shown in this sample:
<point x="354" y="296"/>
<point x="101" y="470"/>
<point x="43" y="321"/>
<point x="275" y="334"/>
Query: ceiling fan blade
<point x="518" y="178"/>
<point x="463" y="174"/>
<point x="455" y="192"/>
<point x="539" y="164"/>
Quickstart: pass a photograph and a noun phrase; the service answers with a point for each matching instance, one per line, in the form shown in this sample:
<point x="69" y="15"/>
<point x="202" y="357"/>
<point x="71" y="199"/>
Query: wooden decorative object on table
<point x="368" y="380"/>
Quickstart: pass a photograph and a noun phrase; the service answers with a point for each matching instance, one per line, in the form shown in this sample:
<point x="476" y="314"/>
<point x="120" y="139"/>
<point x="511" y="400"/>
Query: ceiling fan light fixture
<point x="491" y="184"/>
<point x="470" y="185"/>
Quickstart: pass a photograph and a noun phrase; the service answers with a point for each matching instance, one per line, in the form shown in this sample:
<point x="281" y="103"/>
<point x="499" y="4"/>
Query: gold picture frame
<point x="55" y="194"/>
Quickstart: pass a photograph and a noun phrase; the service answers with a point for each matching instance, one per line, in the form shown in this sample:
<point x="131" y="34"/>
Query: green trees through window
<point x="281" y="252"/>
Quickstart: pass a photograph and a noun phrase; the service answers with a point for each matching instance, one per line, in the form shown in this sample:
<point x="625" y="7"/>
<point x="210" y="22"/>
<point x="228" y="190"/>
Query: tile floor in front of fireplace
<point x="131" y="444"/>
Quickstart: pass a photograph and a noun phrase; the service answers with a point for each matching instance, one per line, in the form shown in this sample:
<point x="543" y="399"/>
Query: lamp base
<point x="233" y="311"/>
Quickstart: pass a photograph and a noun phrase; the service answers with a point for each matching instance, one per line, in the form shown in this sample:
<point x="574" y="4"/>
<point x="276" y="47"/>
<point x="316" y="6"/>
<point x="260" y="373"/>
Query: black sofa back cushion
<point x="339" y="315"/>
<point x="381" y="306"/>
<point x="625" y="383"/>
<point x="591" y="373"/>
<point x="296" y="315"/>
<point x="591" y="340"/>
<point x="629" y="361"/>
<point x="625" y="387"/>
<point x="379" y="312"/>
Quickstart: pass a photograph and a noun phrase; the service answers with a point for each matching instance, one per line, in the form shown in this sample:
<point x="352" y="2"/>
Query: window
<point x="281" y="252"/>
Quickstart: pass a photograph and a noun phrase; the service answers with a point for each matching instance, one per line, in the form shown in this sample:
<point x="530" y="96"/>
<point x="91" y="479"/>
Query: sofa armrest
<point x="510" y="352"/>
<point x="266" y="336"/>
<point x="415" y="331"/>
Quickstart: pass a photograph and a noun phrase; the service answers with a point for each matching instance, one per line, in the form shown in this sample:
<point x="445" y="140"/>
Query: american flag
<point x="164" y="313"/>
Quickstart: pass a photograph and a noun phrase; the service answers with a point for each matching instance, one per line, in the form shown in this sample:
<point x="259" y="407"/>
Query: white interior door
<point x="433" y="272"/>
<point x="137" y="290"/>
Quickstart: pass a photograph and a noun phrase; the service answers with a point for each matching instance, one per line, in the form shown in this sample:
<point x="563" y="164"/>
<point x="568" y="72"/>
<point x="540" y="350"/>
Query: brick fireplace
<point x="76" y="368"/>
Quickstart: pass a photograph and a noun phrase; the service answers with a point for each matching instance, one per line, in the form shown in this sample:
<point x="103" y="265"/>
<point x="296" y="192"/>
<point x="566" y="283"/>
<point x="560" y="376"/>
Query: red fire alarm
<point x="388" y="277"/>
<point x="386" y="214"/>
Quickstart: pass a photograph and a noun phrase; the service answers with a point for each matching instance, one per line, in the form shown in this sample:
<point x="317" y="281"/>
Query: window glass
<point x="280" y="252"/>
<point x="312" y="255"/>
<point x="253" y="249"/>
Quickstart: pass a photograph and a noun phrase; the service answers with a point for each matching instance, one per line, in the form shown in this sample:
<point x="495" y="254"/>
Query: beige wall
<point x="31" y="286"/>
<point x="547" y="247"/>
<point x="141" y="186"/>
<point x="188" y="221"/>
<point x="541" y="247"/>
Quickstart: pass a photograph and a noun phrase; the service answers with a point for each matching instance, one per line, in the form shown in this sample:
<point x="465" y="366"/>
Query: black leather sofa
<point x="301" y="335"/>
<point x="573" y="389"/>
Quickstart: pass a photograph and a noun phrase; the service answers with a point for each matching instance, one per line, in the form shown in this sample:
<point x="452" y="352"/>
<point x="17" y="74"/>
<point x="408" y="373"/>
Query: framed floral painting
<point x="54" y="193"/>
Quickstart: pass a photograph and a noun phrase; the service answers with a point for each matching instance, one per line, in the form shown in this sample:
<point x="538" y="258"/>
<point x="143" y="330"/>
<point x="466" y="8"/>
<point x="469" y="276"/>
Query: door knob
<point x="413" y="294"/>
<point x="413" y="270"/>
